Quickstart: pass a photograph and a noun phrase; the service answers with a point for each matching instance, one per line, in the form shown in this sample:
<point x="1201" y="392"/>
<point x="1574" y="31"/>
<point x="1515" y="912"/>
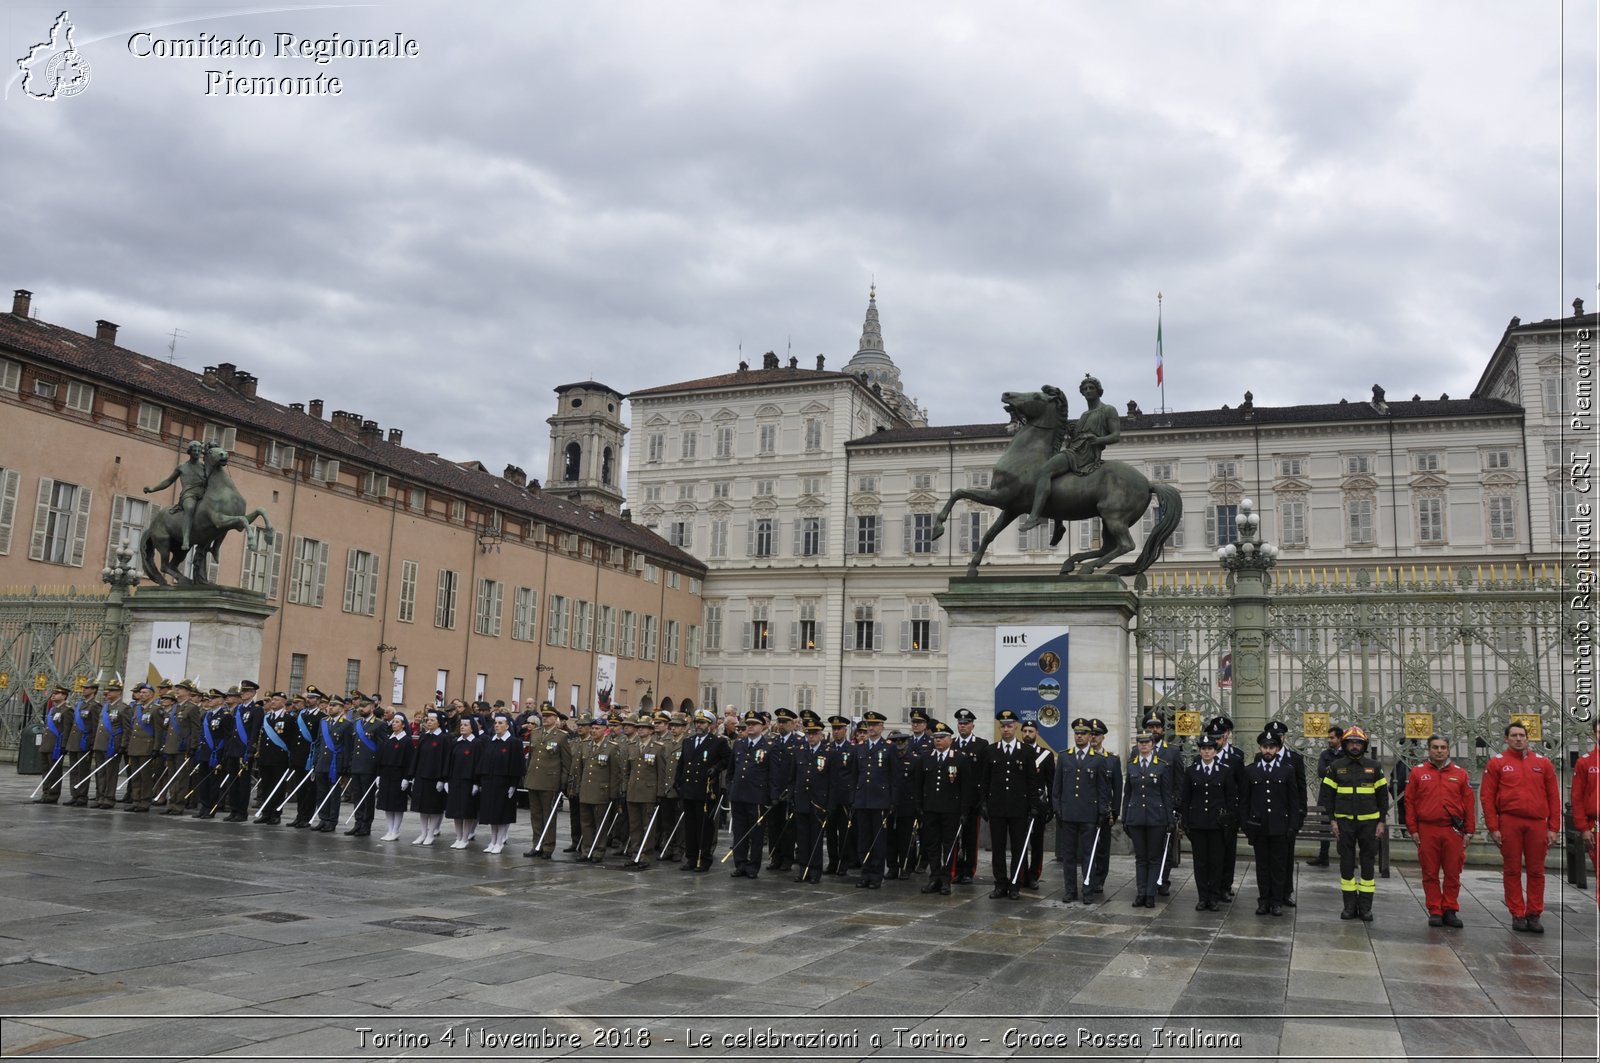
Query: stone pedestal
<point x="223" y="638"/>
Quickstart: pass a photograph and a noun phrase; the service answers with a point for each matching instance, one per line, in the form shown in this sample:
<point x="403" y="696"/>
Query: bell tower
<point x="586" y="446"/>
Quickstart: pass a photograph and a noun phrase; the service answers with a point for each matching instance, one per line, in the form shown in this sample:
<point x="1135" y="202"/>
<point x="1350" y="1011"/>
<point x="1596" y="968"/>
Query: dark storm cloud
<point x="1330" y="197"/>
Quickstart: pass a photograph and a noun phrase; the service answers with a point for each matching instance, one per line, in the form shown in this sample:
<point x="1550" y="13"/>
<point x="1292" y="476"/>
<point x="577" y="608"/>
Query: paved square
<point x="138" y="936"/>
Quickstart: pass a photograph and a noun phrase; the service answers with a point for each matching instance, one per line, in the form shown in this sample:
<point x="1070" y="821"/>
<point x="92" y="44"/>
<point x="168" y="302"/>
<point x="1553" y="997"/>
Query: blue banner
<point x="1030" y="678"/>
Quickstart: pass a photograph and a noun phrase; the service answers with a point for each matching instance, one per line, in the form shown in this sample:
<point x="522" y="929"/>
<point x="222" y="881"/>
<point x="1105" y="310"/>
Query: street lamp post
<point x="121" y="575"/>
<point x="1249" y="560"/>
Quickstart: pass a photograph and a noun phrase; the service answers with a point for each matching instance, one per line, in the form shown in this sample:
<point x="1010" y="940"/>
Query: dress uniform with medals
<point x="303" y="756"/>
<point x="145" y="725"/>
<point x="1082" y="799"/>
<point x="366" y="732"/>
<point x="841" y="816"/>
<point x="332" y="764"/>
<point x="814" y="771"/>
<point x="872" y="796"/>
<point x="178" y="766"/>
<point x="751" y="789"/>
<point x="974" y="746"/>
<point x="1230" y="757"/>
<point x="274" y="757"/>
<point x="80" y="757"/>
<point x="942" y="786"/>
<point x="701" y="761"/>
<point x="549" y="766"/>
<point x="780" y="820"/>
<point x="110" y="738"/>
<point x="1044" y="772"/>
<point x="1009" y="801"/>
<point x="597" y="768"/>
<point x="672" y="816"/>
<point x="901" y="840"/>
<point x="1291" y="758"/>
<point x="641" y="786"/>
<point x="208" y="754"/>
<point x="1208" y="805"/>
<point x="57" y="726"/>
<point x="238" y="745"/>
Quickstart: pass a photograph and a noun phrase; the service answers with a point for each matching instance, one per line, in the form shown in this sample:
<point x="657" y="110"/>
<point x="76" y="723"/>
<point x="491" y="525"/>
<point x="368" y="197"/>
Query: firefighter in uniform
<point x="1441" y="814"/>
<point x="1355" y="794"/>
<point x="1082" y="799"/>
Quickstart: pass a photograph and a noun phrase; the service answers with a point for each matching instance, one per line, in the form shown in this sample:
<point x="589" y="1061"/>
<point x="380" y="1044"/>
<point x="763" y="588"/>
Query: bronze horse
<point x="219" y="511"/>
<point x="1115" y="492"/>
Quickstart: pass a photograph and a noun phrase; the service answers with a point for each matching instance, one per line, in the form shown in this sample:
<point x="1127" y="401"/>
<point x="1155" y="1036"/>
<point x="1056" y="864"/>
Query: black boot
<point x="1364" y="906"/>
<point x="1349" y="905"/>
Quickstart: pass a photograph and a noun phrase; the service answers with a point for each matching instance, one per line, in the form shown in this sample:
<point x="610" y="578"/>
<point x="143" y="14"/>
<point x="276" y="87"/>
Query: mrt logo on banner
<point x="169" y="648"/>
<point x="1030" y="678"/>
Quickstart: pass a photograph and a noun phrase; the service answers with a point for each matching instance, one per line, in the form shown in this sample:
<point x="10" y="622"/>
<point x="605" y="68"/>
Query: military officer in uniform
<point x="872" y="796"/>
<point x="901" y="841"/>
<point x="580" y="738"/>
<point x="597" y="769"/>
<point x="785" y="738"/>
<point x="1008" y="800"/>
<point x="1148" y="817"/>
<point x="1044" y="771"/>
<point x="240" y="737"/>
<point x="80" y="764"/>
<point x="303" y="756"/>
<point x="1273" y="806"/>
<point x="1102" y="853"/>
<point x="182" y="731"/>
<point x="1208" y="804"/>
<point x="548" y="769"/>
<point x="942" y="786"/>
<point x="973" y="747"/>
<point x="367" y="733"/>
<point x="208" y="752"/>
<point x="641" y="791"/>
<point x="109" y="739"/>
<point x="57" y="726"/>
<point x="1082" y="799"/>
<point x="667" y="800"/>
<point x="1232" y="759"/>
<point x="1171" y="755"/>
<point x="811" y="780"/>
<point x="750" y="791"/>
<point x="1290" y="758"/>
<point x="273" y="758"/>
<point x="144" y="727"/>
<point x="332" y="763"/>
<point x="841" y="816"/>
<point x="698" y="781"/>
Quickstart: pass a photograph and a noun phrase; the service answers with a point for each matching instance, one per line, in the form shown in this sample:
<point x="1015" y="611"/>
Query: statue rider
<point x="193" y="473"/>
<point x="1097" y="429"/>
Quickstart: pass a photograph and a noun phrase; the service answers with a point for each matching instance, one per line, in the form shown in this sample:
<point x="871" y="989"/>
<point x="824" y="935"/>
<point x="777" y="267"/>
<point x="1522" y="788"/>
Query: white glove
<point x="405" y="784"/>
<point x="445" y="787"/>
<point x="474" y="789"/>
<point x="511" y="791"/>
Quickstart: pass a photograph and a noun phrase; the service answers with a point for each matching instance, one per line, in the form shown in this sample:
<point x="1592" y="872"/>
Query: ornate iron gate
<point x="1401" y="652"/>
<point x="45" y="639"/>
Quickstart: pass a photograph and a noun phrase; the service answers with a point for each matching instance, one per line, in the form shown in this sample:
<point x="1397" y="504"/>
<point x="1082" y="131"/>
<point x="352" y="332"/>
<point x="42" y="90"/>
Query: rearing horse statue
<point x="220" y="510"/>
<point x="1115" y="492"/>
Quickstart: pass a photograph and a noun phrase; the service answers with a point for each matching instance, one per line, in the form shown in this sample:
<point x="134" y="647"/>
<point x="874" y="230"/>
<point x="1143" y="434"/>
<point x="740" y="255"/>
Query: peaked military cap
<point x="1098" y="726"/>
<point x="785" y="714"/>
<point x="1082" y="726"/>
<point x="1007" y="716"/>
<point x="838" y="721"/>
<point x="939" y="727"/>
<point x="966" y="716"/>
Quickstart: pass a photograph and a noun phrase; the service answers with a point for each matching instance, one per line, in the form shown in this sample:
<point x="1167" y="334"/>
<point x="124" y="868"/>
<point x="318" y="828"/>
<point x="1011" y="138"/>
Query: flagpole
<point x="1161" y="375"/>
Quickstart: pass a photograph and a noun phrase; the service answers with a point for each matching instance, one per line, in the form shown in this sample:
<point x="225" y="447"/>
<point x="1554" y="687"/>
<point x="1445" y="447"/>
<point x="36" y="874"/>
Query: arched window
<point x="605" y="467"/>
<point x="574" y="460"/>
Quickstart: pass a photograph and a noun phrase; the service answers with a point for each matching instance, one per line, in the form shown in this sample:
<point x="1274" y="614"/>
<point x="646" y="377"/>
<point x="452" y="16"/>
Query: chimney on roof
<point x="819" y="363"/>
<point x="794" y="363"/>
<point x="208" y="376"/>
<point x="626" y="515"/>
<point x="298" y="407"/>
<point x="225" y="372"/>
<point x="533" y="487"/>
<point x="346" y="422"/>
<point x="315" y="409"/>
<point x="744" y="366"/>
<point x="371" y="434"/>
<point x="395" y="435"/>
<point x="106" y="331"/>
<point x="21" y="300"/>
<point x="244" y="383"/>
<point x="769" y="360"/>
<point x="516" y="476"/>
<point x="1577" y="308"/>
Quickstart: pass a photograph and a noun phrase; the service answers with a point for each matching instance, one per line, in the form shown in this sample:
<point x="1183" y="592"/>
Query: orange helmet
<point x="1354" y="734"/>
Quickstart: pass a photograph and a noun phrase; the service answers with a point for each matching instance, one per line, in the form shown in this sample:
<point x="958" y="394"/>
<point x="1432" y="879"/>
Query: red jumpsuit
<point x="1522" y="801"/>
<point x="1586" y="800"/>
<point x="1433" y="797"/>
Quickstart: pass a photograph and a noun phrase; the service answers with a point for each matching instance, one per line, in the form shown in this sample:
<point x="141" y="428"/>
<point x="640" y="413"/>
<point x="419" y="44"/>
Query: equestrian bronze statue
<point x="1052" y="470"/>
<point x="193" y="529"/>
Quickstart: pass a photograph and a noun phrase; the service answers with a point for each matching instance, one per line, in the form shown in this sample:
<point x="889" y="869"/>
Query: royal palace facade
<point x="811" y="495"/>
<point x="391" y="569"/>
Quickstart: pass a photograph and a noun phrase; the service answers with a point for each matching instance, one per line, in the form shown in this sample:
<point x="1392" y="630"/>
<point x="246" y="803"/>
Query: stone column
<point x="222" y="641"/>
<point x="1249" y="607"/>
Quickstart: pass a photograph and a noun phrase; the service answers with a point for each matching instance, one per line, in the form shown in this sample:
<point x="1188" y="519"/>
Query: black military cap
<point x="899" y="736"/>
<point x="785" y="714"/>
<point x="1269" y="737"/>
<point x="1152" y="719"/>
<point x="966" y="716"/>
<point x="917" y="714"/>
<point x="1207" y="742"/>
<point x="1223" y="723"/>
<point x="1098" y="726"/>
<point x="1278" y="727"/>
<point x="1007" y="716"/>
<point x="249" y="684"/>
<point x="810" y="720"/>
<point x="939" y="727"/>
<point x="838" y="721"/>
<point x="91" y="684"/>
<point x="313" y="692"/>
<point x="873" y="716"/>
<point x="1082" y="726"/>
<point x="1144" y="736"/>
<point x="753" y="717"/>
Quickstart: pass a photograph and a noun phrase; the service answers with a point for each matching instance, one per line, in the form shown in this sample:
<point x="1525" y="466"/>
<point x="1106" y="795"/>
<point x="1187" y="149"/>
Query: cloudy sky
<point x="1329" y="196"/>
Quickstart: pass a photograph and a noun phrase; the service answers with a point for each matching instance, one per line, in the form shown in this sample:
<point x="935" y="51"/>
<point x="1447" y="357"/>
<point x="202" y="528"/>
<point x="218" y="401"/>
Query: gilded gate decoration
<point x="1459" y="652"/>
<point x="45" y="638"/>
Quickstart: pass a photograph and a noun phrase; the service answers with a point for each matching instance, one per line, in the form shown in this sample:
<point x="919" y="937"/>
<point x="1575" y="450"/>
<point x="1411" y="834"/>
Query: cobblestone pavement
<point x="151" y="937"/>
